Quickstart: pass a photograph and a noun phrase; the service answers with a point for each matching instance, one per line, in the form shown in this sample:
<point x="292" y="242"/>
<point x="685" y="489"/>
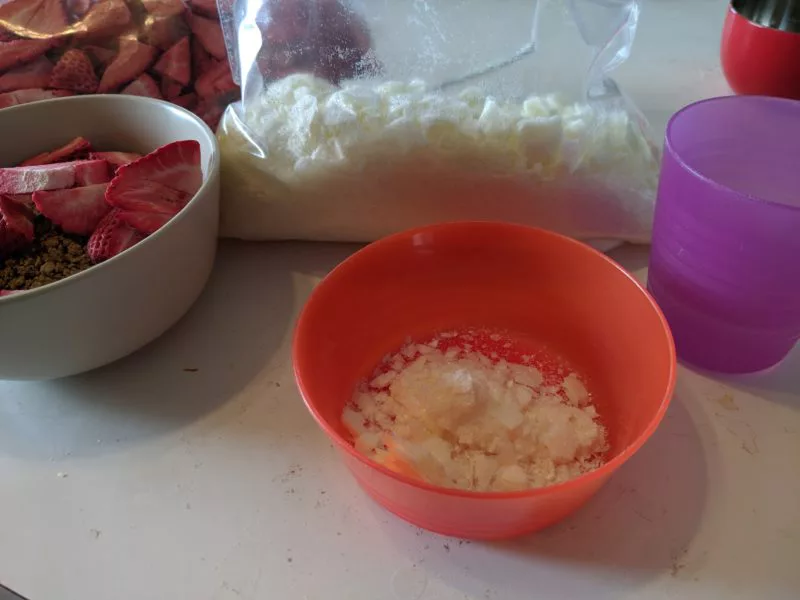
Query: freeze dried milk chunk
<point x="461" y="419"/>
<point x="305" y="159"/>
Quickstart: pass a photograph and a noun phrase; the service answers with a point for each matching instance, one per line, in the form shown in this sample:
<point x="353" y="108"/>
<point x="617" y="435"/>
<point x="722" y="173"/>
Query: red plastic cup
<point x="511" y="277"/>
<point x="725" y="259"/>
<point x="759" y="60"/>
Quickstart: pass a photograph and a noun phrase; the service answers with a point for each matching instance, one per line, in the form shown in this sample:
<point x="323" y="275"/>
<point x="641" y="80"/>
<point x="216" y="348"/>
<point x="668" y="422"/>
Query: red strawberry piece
<point x="164" y="32"/>
<point x="144" y="221"/>
<point x="19" y="52"/>
<point x="175" y="63"/>
<point x="187" y="101"/>
<point x="74" y="71"/>
<point x="115" y="159"/>
<point x="133" y="59"/>
<point x="91" y="172"/>
<point x="26" y="180"/>
<point x="164" y="8"/>
<point x="6" y="36"/>
<point x="170" y="89"/>
<point x="207" y="8"/>
<point x="216" y="81"/>
<point x="144" y="85"/>
<point x="162" y="181"/>
<point x="166" y="23"/>
<point x="105" y="19"/>
<point x="25" y="200"/>
<point x="210" y="35"/>
<point x="332" y="41"/>
<point x="32" y="75"/>
<point x="16" y="227"/>
<point x="111" y="237"/>
<point x="42" y="17"/>
<point x="99" y="55"/>
<point x="201" y="60"/>
<point x="75" y="210"/>
<point x="9" y="292"/>
<point x="32" y="95"/>
<point x="68" y="151"/>
<point x="211" y="112"/>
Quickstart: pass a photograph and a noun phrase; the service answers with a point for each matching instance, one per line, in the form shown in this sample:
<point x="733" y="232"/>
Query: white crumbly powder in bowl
<point x="461" y="417"/>
<point x="306" y="159"/>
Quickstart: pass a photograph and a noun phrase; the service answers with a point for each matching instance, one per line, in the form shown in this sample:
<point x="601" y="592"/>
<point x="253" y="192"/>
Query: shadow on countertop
<point x="638" y="527"/>
<point x="780" y="384"/>
<point x="239" y="328"/>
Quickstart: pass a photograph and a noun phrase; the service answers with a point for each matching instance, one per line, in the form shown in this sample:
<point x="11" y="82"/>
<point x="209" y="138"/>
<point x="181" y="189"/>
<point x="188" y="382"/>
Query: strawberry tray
<point x="166" y="49"/>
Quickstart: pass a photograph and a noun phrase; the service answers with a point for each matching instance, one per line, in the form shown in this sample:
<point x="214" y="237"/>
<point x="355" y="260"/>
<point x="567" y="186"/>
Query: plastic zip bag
<point x="361" y="119"/>
<point x="166" y="49"/>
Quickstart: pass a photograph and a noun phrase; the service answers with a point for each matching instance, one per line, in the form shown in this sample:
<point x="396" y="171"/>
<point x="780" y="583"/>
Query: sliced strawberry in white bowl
<point x="109" y="209"/>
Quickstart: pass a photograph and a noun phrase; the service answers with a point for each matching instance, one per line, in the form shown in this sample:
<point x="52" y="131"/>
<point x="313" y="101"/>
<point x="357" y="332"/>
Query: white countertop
<point x="192" y="470"/>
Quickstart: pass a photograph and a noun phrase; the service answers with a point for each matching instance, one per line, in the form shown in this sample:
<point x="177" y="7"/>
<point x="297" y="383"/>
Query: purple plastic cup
<point x="725" y="259"/>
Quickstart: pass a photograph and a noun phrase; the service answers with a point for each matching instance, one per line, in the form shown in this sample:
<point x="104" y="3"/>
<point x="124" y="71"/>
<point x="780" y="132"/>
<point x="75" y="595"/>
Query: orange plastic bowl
<point x="525" y="280"/>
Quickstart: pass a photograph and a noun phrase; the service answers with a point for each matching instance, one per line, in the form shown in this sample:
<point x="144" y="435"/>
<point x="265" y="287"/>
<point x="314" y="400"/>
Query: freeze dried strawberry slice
<point x="66" y="152"/>
<point x="207" y="8"/>
<point x="216" y="81"/>
<point x="166" y="22"/>
<point x="32" y="75"/>
<point x="9" y="292"/>
<point x="20" y="52"/>
<point x="170" y="89"/>
<point x="210" y="111"/>
<point x="99" y="55"/>
<point x="16" y="227"/>
<point x="33" y="95"/>
<point x="105" y="18"/>
<point x="26" y="180"/>
<point x="163" y="181"/>
<point x="210" y="35"/>
<point x="133" y="59"/>
<point x="163" y="33"/>
<point x="91" y="172"/>
<point x="187" y="101"/>
<point x="75" y="210"/>
<point x="144" y="85"/>
<point x="25" y="200"/>
<point x="74" y="71"/>
<point x="115" y="159"/>
<point x="144" y="221"/>
<point x="111" y="237"/>
<point x="201" y="60"/>
<point x="175" y="63"/>
<point x="164" y="8"/>
<point x="44" y="17"/>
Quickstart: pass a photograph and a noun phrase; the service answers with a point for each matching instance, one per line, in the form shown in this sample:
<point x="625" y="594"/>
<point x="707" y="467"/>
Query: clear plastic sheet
<point x="166" y="49"/>
<point x="360" y="119"/>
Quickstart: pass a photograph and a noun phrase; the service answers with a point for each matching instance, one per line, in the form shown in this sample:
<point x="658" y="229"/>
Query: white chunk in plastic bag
<point x="420" y="140"/>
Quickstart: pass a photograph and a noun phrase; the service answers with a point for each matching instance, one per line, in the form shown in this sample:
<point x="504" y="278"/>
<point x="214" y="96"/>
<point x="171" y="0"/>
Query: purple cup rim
<point x="712" y="182"/>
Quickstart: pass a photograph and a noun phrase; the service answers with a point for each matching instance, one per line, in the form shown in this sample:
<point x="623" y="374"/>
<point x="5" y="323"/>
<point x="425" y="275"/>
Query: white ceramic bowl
<point x="113" y="309"/>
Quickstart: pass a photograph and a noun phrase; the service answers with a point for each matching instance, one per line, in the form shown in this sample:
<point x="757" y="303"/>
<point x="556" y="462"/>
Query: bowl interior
<point x="109" y="122"/>
<point x="541" y="285"/>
